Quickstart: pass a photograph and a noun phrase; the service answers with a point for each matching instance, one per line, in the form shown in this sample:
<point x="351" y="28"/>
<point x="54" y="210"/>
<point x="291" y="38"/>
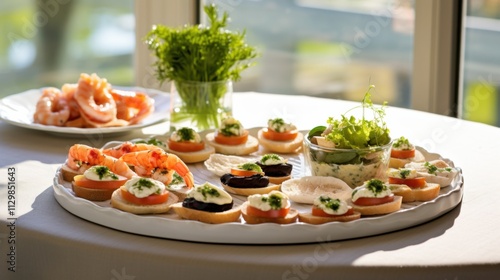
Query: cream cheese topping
<point x="209" y="193"/>
<point x="332" y="206"/>
<point x="274" y="200"/>
<point x="368" y="189"/>
<point x="144" y="187"/>
<point x="185" y="134"/>
<point x="272" y="159"/>
<point x="231" y="126"/>
<point x="279" y="125"/>
<point x="101" y="173"/>
<point x="402" y="173"/>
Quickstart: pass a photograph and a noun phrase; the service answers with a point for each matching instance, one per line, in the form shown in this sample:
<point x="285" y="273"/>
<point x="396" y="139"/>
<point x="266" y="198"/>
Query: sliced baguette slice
<point x="250" y="191"/>
<point x="278" y="180"/>
<point x="291" y="217"/>
<point x="117" y="201"/>
<point x="68" y="174"/>
<point x="401" y="162"/>
<point x="316" y="220"/>
<point x="283" y="147"/>
<point x="380" y="209"/>
<point x="92" y="194"/>
<point x="427" y="193"/>
<point x="252" y="145"/>
<point x="229" y="216"/>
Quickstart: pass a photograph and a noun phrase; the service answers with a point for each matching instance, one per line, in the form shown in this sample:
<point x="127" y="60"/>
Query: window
<point x="481" y="71"/>
<point x="50" y="42"/>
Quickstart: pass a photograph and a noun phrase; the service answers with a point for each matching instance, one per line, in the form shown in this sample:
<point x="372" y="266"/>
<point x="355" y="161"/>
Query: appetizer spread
<point x="280" y="137"/>
<point x="92" y="102"/>
<point x="231" y="138"/>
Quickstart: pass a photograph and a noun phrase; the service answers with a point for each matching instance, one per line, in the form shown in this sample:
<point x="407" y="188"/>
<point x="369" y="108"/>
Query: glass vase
<point x="199" y="105"/>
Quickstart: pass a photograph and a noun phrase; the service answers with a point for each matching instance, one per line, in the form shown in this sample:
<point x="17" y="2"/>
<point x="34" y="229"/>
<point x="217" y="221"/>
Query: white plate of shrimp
<point x="50" y="110"/>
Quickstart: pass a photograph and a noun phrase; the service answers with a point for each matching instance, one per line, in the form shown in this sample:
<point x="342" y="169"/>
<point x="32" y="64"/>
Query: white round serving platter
<point x="18" y="109"/>
<point x="171" y="227"/>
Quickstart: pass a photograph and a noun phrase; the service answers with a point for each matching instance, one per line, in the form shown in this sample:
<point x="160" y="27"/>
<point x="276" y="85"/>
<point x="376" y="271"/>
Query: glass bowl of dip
<point x="353" y="166"/>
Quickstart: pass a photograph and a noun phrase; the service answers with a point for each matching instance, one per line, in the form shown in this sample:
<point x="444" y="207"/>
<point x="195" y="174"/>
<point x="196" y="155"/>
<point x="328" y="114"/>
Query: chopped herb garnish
<point x="376" y="186"/>
<point x="186" y="133"/>
<point x="152" y="141"/>
<point x="103" y="171"/>
<point x="229" y="129"/>
<point x="273" y="200"/>
<point x="404" y="173"/>
<point x="250" y="166"/>
<point x="270" y="157"/>
<point x="206" y="190"/>
<point x="431" y="168"/>
<point x="330" y="203"/>
<point x="401" y="141"/>
<point x="143" y="183"/>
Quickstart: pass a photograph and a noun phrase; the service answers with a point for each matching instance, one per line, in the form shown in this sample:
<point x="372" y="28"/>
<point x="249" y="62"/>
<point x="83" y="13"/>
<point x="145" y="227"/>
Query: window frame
<point x="436" y="57"/>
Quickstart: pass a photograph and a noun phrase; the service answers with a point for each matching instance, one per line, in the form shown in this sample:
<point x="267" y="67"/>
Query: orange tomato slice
<point x="418" y="182"/>
<point x="402" y="153"/>
<point x="320" y="213"/>
<point x="185" y="146"/>
<point x="231" y="140"/>
<point x="272" y="135"/>
<point x="256" y="212"/>
<point x="241" y="172"/>
<point x="369" y="201"/>
<point x="82" y="181"/>
<point x="148" y="200"/>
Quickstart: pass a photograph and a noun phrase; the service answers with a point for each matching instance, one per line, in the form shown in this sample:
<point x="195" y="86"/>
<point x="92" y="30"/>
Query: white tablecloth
<point x="51" y="243"/>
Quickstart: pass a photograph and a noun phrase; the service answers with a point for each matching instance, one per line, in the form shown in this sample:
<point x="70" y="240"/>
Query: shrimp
<point x="159" y="165"/>
<point x="128" y="147"/>
<point x="82" y="157"/>
<point x="51" y="108"/>
<point x="68" y="91"/>
<point x="132" y="106"/>
<point x="93" y="98"/>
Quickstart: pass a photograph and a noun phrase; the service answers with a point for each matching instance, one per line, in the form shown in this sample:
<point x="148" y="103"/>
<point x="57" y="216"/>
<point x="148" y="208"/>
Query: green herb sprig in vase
<point x="201" y="62"/>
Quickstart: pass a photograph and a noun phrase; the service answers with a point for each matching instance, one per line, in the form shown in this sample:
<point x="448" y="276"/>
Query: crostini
<point x="208" y="204"/>
<point x="327" y="209"/>
<point x="274" y="207"/>
<point x="435" y="171"/>
<point x="403" y="152"/>
<point x="97" y="183"/>
<point x="187" y="144"/>
<point x="143" y="196"/>
<point x="280" y="137"/>
<point x="406" y="183"/>
<point x="275" y="167"/>
<point x="247" y="179"/>
<point x="231" y="138"/>
<point x="374" y="197"/>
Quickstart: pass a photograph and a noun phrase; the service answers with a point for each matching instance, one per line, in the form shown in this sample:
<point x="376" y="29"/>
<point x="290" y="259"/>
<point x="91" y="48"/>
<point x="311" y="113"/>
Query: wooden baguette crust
<point x="229" y="216"/>
<point x="278" y="180"/>
<point x="92" y="194"/>
<point x="316" y="220"/>
<point x="401" y="162"/>
<point x="283" y="147"/>
<point x="380" y="209"/>
<point x="427" y="193"/>
<point x="252" y="145"/>
<point x="288" y="219"/>
<point x="67" y="173"/>
<point x="250" y="191"/>
<point x="194" y="157"/>
<point x="118" y="202"/>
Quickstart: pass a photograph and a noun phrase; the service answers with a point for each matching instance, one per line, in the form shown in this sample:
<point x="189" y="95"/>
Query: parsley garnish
<point x="206" y="190"/>
<point x="102" y="171"/>
<point x="376" y="186"/>
<point x="273" y="200"/>
<point x="143" y="183"/>
<point x="329" y="202"/>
